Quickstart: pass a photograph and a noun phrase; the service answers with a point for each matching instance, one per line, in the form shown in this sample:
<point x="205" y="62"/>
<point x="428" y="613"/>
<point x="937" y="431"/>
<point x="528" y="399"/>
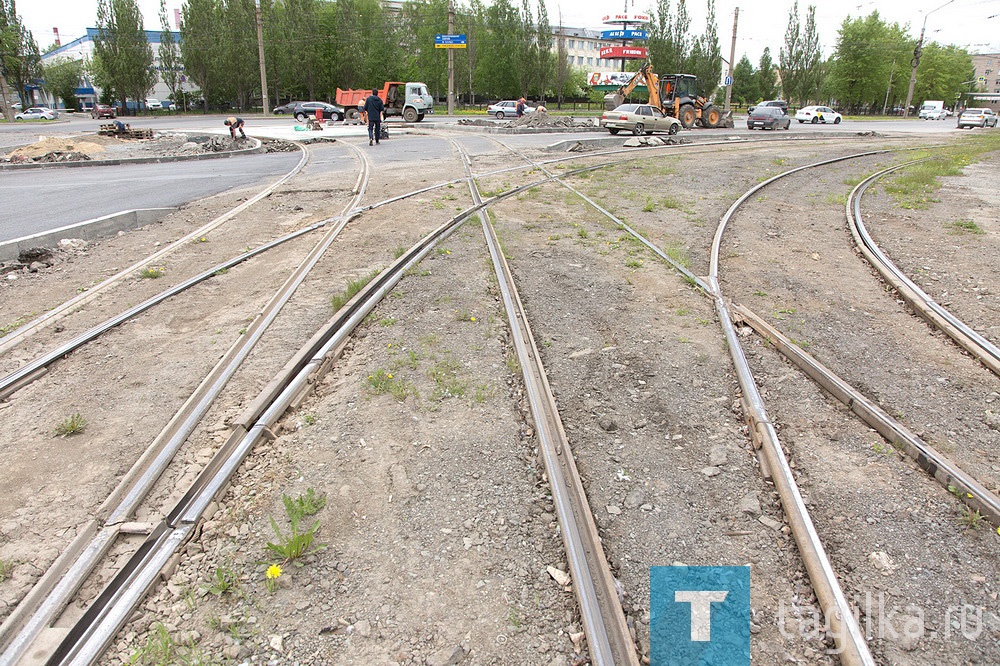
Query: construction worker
<point x="374" y="108"/>
<point x="234" y="123"/>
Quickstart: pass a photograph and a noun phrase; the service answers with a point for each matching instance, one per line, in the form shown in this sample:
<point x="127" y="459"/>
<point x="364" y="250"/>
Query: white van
<point x="932" y="109"/>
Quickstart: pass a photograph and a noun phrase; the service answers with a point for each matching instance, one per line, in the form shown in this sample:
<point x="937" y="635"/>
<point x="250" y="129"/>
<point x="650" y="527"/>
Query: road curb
<point x="138" y="160"/>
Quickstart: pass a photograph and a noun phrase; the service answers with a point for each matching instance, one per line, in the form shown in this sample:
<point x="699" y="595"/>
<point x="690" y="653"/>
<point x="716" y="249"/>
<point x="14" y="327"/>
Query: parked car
<point x="639" y="119"/>
<point x="506" y="108"/>
<point x="303" y="110"/>
<point x="818" y="114"/>
<point x="37" y="113"/>
<point x="286" y="108"/>
<point x="153" y="104"/>
<point x="977" y="118"/>
<point x="768" y="117"/>
<point x="779" y="103"/>
<point x="103" y="111"/>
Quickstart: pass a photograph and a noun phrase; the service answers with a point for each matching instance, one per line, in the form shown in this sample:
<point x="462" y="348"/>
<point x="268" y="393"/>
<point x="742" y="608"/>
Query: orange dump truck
<point x="410" y="100"/>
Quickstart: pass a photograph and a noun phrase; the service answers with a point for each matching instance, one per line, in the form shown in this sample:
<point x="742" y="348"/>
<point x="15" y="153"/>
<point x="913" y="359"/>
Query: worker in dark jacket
<point x="374" y="108"/>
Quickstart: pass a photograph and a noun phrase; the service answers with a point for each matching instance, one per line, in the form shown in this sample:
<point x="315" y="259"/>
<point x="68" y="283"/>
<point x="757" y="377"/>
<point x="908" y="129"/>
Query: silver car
<point x="37" y="113"/>
<point x="977" y="118"/>
<point x="639" y="119"/>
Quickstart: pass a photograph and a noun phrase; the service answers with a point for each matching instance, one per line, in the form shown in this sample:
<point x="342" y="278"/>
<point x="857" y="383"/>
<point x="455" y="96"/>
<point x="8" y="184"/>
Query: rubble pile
<point x="278" y="146"/>
<point x="62" y="156"/>
<point x="541" y="119"/>
<point x="651" y="141"/>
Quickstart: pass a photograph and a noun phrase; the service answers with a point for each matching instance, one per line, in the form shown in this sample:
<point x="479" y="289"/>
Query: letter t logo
<point x="701" y="610"/>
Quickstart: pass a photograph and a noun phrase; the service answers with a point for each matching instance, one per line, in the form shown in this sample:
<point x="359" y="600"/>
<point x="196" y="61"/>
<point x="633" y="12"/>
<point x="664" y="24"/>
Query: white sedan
<point x="506" y="108"/>
<point x="37" y="113"/>
<point x="818" y="114"/>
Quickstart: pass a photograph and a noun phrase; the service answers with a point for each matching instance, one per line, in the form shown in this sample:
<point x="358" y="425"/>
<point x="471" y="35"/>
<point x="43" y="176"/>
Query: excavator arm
<point x="646" y="76"/>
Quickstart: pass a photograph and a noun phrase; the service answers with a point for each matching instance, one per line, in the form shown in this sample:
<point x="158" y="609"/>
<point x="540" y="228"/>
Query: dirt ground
<point x="437" y="529"/>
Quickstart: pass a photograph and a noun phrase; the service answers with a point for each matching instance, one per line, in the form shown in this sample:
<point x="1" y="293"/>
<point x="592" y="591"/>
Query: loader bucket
<point x="612" y="101"/>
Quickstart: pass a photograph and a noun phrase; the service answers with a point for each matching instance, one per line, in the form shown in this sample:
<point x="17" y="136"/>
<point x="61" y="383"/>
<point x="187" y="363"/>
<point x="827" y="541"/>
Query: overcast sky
<point x="972" y="24"/>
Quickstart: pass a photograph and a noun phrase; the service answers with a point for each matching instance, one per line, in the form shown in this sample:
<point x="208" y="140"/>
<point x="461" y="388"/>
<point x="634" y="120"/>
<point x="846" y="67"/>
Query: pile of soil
<point x="46" y="145"/>
<point x="98" y="147"/>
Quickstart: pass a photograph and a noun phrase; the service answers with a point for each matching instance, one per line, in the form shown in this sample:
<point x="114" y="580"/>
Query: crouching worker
<point x="234" y="123"/>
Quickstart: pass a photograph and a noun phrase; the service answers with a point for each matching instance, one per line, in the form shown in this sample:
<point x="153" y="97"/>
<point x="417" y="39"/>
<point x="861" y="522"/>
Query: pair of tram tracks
<point x="617" y="646"/>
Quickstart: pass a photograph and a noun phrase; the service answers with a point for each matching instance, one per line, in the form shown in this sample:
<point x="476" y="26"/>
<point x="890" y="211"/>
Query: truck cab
<point x="412" y="104"/>
<point x="932" y="110"/>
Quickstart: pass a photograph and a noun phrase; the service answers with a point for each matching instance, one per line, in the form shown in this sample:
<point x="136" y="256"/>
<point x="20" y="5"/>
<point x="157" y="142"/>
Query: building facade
<point x="82" y="48"/>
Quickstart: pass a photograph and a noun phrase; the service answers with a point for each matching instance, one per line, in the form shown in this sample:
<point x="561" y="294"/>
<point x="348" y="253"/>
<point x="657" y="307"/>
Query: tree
<point x="123" y="58"/>
<point x="867" y="57"/>
<point x="20" y="61"/>
<point x="545" y="67"/>
<point x="942" y="71"/>
<point x="562" y="66"/>
<point x="745" y="88"/>
<point x="800" y="62"/>
<point x="705" y="60"/>
<point x="767" y="86"/>
<point x="200" y="36"/>
<point x="669" y="41"/>
<point x="170" y="56"/>
<point x="62" y="78"/>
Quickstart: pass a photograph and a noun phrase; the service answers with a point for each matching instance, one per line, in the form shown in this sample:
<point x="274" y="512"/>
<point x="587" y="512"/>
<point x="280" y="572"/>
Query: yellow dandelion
<point x="273" y="572"/>
<point x="969" y="495"/>
<point x="472" y="319"/>
<point x="447" y="251"/>
<point x="389" y="375"/>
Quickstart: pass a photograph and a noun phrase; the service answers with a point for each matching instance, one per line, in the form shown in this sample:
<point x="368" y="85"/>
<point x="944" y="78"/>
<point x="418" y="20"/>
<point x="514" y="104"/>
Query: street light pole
<point x="260" y="54"/>
<point x="916" y="59"/>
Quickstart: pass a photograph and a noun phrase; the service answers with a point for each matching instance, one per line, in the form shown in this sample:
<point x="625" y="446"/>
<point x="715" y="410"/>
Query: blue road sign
<point x="624" y="34"/>
<point x="729" y="80"/>
<point x="449" y="41"/>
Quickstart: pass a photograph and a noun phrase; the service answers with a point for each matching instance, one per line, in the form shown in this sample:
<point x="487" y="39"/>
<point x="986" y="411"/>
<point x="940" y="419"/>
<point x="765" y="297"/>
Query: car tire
<point x="801" y="121"/>
<point x="410" y="114"/>
<point x="499" y="115"/>
<point x="674" y="129"/>
<point x="613" y="130"/>
<point x="814" y="120"/>
<point x="300" y="116"/>
<point x="352" y="114"/>
<point x="836" y="121"/>
<point x="638" y="129"/>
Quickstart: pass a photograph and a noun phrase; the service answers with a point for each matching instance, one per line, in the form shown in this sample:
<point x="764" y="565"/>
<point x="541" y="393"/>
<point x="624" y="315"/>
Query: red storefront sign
<point x="624" y="52"/>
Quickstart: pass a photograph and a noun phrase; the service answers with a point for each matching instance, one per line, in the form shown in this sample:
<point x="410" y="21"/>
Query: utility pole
<point x="917" y="51"/>
<point x="260" y="55"/>
<point x="732" y="56"/>
<point x="451" y="62"/>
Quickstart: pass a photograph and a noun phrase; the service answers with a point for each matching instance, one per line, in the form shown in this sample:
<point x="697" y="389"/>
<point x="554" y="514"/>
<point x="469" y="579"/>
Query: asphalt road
<point x="38" y="200"/>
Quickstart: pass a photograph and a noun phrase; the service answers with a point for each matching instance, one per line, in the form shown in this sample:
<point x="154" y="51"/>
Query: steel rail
<point x="947" y="473"/>
<point x="964" y="335"/>
<point x="603" y="619"/>
<point x="851" y="645"/>
<point x="50" y="596"/>
<point x="64" y="309"/>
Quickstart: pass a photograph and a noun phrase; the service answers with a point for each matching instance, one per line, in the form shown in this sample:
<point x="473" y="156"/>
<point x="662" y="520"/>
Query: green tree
<point x="20" y="61"/>
<point x="767" y="84"/>
<point x="123" y="58"/>
<point x="745" y="89"/>
<point x="800" y="61"/>
<point x="237" y="52"/>
<point x="170" y="56"/>
<point x="705" y="60"/>
<point x="62" y="78"/>
<point x="200" y="36"/>
<point x="545" y="66"/>
<point x="941" y="73"/>
<point x="867" y="57"/>
<point x="669" y="38"/>
<point x="502" y="27"/>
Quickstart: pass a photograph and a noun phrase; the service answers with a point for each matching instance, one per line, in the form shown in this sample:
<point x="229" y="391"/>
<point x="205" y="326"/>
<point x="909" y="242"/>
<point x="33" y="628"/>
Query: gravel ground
<point x="437" y="527"/>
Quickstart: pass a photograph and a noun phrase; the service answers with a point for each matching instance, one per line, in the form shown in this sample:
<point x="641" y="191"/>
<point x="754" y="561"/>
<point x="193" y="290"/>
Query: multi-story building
<point x="83" y="49"/>
<point x="986" y="80"/>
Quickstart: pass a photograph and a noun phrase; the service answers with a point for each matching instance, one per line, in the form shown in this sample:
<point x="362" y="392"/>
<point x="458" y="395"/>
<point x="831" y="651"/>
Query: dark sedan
<point x="304" y="110"/>
<point x="286" y="108"/>
<point x="768" y="117"/>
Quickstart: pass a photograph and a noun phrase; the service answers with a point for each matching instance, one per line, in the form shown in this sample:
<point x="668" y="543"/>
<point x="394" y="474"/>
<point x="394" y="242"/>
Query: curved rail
<point x="964" y="335"/>
<point x="16" y="337"/>
<point x="853" y="648"/>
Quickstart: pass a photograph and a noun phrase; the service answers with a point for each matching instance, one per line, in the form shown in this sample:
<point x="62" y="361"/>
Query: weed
<point x="649" y="206"/>
<point x="837" y="198"/>
<point x="386" y="322"/>
<point x="965" y="225"/>
<point x="581" y="232"/>
<point x="398" y="252"/>
<point x="446" y="381"/>
<point x="683" y="312"/>
<point x="703" y="322"/>
<point x="678" y="253"/>
<point x="482" y="393"/>
<point x="513" y="364"/>
<point x="162" y="650"/>
<point x="271" y="577"/>
<point x="438" y="204"/>
<point x="6" y="569"/>
<point x="632" y="262"/>
<point x="151" y="273"/>
<point x="221" y="271"/>
<point x="882" y="448"/>
<point x="785" y="311"/>
<point x="71" y="426"/>
<point x="546" y="343"/>
<point x="223" y="581"/>
<point x="971" y="517"/>
<point x="309" y="419"/>
<point x="464" y="315"/>
<point x="443" y="251"/>
<point x="760" y="293"/>
<point x="514" y="617"/>
<point x="7" y="328"/>
<point x="295" y="544"/>
<point x="308" y="504"/>
<point x="353" y="287"/>
<point x="384" y="382"/>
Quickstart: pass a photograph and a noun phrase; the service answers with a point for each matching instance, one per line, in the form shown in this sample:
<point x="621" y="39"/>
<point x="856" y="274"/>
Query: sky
<point x="971" y="24"/>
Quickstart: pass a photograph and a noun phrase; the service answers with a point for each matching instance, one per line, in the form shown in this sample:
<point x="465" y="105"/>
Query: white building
<point x="83" y="49"/>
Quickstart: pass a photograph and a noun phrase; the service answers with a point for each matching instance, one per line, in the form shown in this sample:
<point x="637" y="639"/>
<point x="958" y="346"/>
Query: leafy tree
<point x="423" y="19"/>
<point x="62" y="78"/>
<point x="201" y="33"/>
<point x="237" y="52"/>
<point x="941" y="73"/>
<point x="669" y="41"/>
<point x="562" y="67"/>
<point x="502" y="27"/>
<point x="545" y="67"/>
<point x="867" y="57"/>
<point x="800" y="62"/>
<point x="705" y="60"/>
<point x="20" y="61"/>
<point x="767" y="85"/>
<point x="123" y="58"/>
<point x="170" y="56"/>
<point x="745" y="89"/>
